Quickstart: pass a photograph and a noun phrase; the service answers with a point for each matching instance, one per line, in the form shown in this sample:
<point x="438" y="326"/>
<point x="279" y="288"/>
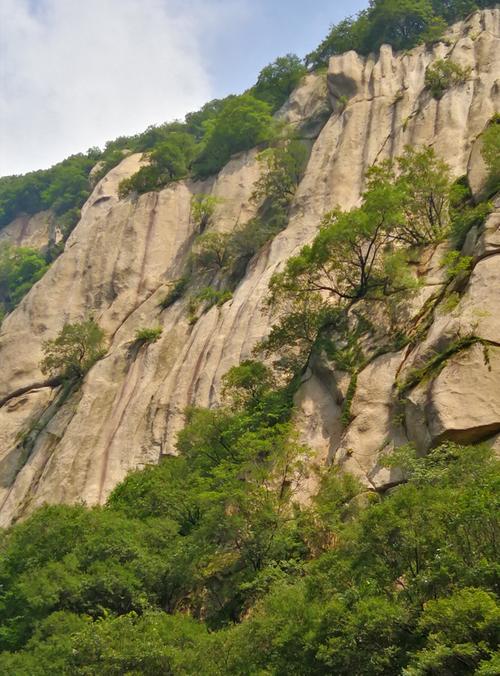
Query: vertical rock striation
<point x="120" y="259"/>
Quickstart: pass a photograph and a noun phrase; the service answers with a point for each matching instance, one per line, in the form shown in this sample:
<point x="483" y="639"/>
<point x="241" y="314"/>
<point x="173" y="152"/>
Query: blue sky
<point x="75" y="73"/>
<point x="273" y="28"/>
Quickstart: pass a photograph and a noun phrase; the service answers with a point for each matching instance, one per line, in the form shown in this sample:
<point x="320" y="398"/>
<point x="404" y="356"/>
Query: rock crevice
<point x="123" y="253"/>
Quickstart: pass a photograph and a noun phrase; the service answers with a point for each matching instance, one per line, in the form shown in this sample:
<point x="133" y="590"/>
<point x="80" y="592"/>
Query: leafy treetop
<point x="75" y="350"/>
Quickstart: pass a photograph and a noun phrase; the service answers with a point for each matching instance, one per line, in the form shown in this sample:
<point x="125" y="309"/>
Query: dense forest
<point x="211" y="562"/>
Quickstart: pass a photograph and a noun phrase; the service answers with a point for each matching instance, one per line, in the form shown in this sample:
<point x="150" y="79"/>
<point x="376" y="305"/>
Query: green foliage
<point x="110" y="160"/>
<point x="444" y="74"/>
<point x="346" y="258"/>
<point x="346" y="409"/>
<point x="169" y="161"/>
<point x="378" y="599"/>
<point x="247" y="383"/>
<point x="343" y="102"/>
<point x="75" y="350"/>
<point x="277" y="80"/>
<point x="198" y="122"/>
<point x="453" y="10"/>
<point x="436" y="363"/>
<point x="426" y="187"/>
<point x="491" y="154"/>
<point x="465" y="214"/>
<point x="353" y="255"/>
<point x="402" y="24"/>
<point x="363" y="254"/>
<point x="176" y="291"/>
<point x="148" y="335"/>
<point x="206" y="297"/>
<point x="245" y="241"/>
<point x="210" y="253"/>
<point x="450" y="302"/>
<point x="282" y="168"/>
<point x="461" y="631"/>
<point x="85" y="561"/>
<point x="20" y="268"/>
<point x="350" y="584"/>
<point x="296" y="334"/>
<point x="222" y="258"/>
<point x="63" y="187"/>
<point x="344" y="36"/>
<point x="456" y="264"/>
<point x="242" y="123"/>
<point x="202" y="210"/>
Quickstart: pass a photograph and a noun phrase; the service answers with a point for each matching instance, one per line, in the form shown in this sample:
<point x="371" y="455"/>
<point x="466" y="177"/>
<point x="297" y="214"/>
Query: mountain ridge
<point x="128" y="412"/>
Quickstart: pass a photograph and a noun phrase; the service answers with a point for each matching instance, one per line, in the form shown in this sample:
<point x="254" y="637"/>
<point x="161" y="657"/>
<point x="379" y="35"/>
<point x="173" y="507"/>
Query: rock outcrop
<point x="37" y="232"/>
<point x="123" y="255"/>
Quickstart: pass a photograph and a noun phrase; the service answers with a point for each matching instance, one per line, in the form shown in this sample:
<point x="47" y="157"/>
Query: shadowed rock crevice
<point x="122" y="254"/>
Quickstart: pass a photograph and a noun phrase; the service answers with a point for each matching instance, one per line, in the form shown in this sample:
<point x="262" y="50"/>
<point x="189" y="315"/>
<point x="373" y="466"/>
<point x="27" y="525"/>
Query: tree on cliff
<point x="241" y="124"/>
<point x="400" y="23"/>
<point x="75" y="350"/>
<point x="277" y="80"/>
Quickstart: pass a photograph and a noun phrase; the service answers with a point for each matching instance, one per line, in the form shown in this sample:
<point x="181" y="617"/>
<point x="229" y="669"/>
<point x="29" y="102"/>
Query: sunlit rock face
<point x="120" y="259"/>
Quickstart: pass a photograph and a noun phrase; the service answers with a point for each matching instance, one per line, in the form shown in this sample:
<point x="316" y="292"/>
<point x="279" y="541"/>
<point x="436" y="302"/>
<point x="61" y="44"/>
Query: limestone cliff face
<point x="119" y="260"/>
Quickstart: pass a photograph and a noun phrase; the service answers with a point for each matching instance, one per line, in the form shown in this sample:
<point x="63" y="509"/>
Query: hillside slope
<point x="120" y="259"/>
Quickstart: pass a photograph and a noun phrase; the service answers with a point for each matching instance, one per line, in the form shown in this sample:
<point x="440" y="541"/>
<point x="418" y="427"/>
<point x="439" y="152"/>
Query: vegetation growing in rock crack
<point x="367" y="256"/>
<point x="148" y="335"/>
<point x="203" y="210"/>
<point x="218" y="260"/>
<point x="491" y="154"/>
<point x="444" y="74"/>
<point x="74" y="351"/>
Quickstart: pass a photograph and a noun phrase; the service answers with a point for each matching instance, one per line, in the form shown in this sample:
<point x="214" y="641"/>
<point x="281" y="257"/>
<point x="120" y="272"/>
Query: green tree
<point x="148" y="335"/>
<point x="169" y="161"/>
<point x="461" y="632"/>
<point x="491" y="154"/>
<point x="444" y="74"/>
<point x="242" y="123"/>
<point x="247" y="383"/>
<point x="344" y="36"/>
<point x="198" y="122"/>
<point x="401" y="23"/>
<point x="20" y="268"/>
<point x="85" y="561"/>
<point x="68" y="187"/>
<point x="278" y="79"/>
<point x="282" y="168"/>
<point x="172" y="158"/>
<point x="344" y="260"/>
<point x="426" y="187"/>
<point x="75" y="350"/>
<point x="203" y="210"/>
<point x="453" y="10"/>
<point x="210" y="253"/>
<point x="63" y="187"/>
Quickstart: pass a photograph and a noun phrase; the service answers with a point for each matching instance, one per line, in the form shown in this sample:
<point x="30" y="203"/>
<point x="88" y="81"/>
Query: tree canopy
<point x="74" y="351"/>
<point x="277" y="80"/>
<point x="242" y="123"/>
<point x="400" y="23"/>
<point x="20" y="268"/>
<point x="189" y="568"/>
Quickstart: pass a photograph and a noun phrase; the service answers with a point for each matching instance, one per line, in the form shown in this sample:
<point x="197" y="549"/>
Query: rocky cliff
<point x="123" y="255"/>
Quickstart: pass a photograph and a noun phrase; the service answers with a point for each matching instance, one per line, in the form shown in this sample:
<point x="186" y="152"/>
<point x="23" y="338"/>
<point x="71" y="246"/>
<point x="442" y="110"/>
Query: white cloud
<point x="76" y="73"/>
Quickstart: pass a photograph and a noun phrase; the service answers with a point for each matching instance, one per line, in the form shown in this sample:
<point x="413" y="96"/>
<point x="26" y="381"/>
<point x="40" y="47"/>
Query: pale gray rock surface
<point x="123" y="255"/>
